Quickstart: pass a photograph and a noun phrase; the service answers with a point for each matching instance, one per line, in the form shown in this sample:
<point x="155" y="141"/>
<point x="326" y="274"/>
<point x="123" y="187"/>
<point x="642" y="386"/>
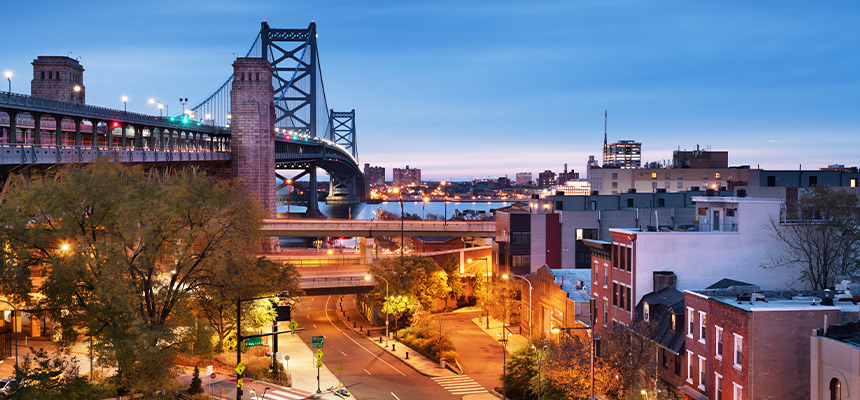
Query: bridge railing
<point x="96" y="112"/>
<point x="30" y="146"/>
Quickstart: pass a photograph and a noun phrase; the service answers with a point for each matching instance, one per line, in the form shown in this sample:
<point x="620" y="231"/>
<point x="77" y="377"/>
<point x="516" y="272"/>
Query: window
<point x="646" y="312"/>
<point x="630" y="202"/>
<point x="596" y="274"/>
<point x="521" y="237"/>
<point x="674" y="321"/>
<point x="653" y="185"/>
<point x="605" y="276"/>
<point x="680" y="176"/>
<point x="690" y="322"/>
<point x="689" y="366"/>
<point x="702" y="326"/>
<point x="716" y="175"/>
<point x="579" y="234"/>
<point x="835" y="389"/>
<point x="614" y="294"/>
<point x="680" y="185"/>
<point x="719" y="338"/>
<point x="667" y="184"/>
<point x="718" y="386"/>
<point x="771" y="180"/>
<point x="521" y="261"/>
<point x="605" y="310"/>
<point x="668" y="176"/>
<point x="614" y="185"/>
<point x="661" y="202"/>
<point x="629" y="299"/>
<point x="705" y="176"/>
<point x="614" y="175"/>
<point x="739" y="354"/>
<point x="702" y="373"/>
<point x="813" y="181"/>
<point x="853" y="182"/>
<point x="653" y="175"/>
<point x="739" y="391"/>
<point x="678" y="365"/>
<point x="664" y="360"/>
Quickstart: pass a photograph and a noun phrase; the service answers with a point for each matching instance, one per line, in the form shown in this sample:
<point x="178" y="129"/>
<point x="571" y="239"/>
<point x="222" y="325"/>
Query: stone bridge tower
<point x="59" y="78"/>
<point x="252" y="129"/>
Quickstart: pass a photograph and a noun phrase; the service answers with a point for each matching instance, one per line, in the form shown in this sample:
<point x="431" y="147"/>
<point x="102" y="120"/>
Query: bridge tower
<point x="58" y="78"/>
<point x="252" y="130"/>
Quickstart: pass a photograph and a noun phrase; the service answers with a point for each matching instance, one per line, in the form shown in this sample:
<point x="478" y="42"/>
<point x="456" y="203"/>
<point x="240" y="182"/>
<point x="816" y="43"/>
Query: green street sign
<point x="317" y="342"/>
<point x="254" y="342"/>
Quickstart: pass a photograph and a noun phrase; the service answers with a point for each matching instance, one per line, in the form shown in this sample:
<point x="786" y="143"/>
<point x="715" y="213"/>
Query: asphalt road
<point x="480" y="355"/>
<point x="369" y="372"/>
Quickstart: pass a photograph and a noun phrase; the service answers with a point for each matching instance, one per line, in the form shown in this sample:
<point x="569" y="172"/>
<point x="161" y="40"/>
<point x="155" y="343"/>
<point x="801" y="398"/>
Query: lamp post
<point x="367" y="278"/>
<point x="160" y="106"/>
<point x="531" y="311"/>
<point x="424" y="206"/>
<point x="183" y="101"/>
<point x="590" y="328"/>
<point x="504" y="339"/>
<point x="402" y="243"/>
<point x="14" y="324"/>
<point x="125" y="103"/>
<point x="8" y="75"/>
<point x="289" y="183"/>
<point x="540" y="357"/>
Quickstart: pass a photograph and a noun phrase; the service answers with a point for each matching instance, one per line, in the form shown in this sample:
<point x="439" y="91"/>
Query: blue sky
<point x="490" y="88"/>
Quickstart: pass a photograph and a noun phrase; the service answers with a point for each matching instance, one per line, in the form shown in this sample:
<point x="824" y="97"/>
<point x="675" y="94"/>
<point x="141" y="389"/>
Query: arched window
<point x="835" y="389"/>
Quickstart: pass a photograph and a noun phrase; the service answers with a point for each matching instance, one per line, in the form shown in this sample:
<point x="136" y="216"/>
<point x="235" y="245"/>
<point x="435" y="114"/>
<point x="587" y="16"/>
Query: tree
<point x="196" y="386"/>
<point x="241" y="279"/>
<point x="418" y="277"/>
<point x="120" y="250"/>
<point x="822" y="236"/>
<point x="48" y="378"/>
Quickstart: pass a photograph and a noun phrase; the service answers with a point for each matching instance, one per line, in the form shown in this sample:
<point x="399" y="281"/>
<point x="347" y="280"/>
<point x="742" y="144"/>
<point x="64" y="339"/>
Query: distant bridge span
<point x="281" y="227"/>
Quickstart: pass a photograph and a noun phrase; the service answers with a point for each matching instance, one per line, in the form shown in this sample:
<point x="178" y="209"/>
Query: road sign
<point x="317" y="342"/>
<point x="339" y="368"/>
<point x="293" y="325"/>
<point x="279" y="356"/>
<point x="318" y="354"/>
<point x="254" y="342"/>
<point x="239" y="383"/>
<point x="212" y="376"/>
<point x="240" y="368"/>
<point x="319" y="363"/>
<point x="208" y="369"/>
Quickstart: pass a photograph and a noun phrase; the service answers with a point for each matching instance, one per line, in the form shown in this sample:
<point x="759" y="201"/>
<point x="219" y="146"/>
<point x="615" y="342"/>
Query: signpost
<point x="318" y="356"/>
<point x="211" y="377"/>
<point x="293" y="325"/>
<point x="254" y="342"/>
<point x="317" y="342"/>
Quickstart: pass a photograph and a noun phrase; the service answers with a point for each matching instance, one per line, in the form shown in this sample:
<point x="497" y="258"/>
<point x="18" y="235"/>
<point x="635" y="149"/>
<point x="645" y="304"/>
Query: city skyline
<point x="494" y="88"/>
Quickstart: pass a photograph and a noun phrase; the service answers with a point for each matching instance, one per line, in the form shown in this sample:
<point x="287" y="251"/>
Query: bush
<point x="425" y="340"/>
<point x="466" y="301"/>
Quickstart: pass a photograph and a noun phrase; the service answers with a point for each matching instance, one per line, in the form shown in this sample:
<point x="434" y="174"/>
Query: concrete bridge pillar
<point x="365" y="251"/>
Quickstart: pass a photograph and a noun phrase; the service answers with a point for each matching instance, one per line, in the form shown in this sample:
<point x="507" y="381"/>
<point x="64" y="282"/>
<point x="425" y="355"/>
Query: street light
<point x="487" y="290"/>
<point x="424" y="206"/>
<point x="160" y="106"/>
<point x="8" y="75"/>
<point x="14" y="324"/>
<point x="402" y="243"/>
<point x="289" y="183"/>
<point x="367" y="278"/>
<point x="239" y="337"/>
<point x="531" y="311"/>
<point x="590" y="328"/>
<point x="125" y="103"/>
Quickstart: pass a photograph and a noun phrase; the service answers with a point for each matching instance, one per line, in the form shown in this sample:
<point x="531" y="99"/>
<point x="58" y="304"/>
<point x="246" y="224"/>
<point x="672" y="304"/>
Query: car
<point x="6" y="384"/>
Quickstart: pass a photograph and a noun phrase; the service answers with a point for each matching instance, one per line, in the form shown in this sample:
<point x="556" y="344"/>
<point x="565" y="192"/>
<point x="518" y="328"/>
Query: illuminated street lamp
<point x="367" y="278"/>
<point x="487" y="290"/>
<point x="160" y="106"/>
<point x="531" y="312"/>
<point x="125" y="103"/>
<point x="8" y="75"/>
<point x="424" y="206"/>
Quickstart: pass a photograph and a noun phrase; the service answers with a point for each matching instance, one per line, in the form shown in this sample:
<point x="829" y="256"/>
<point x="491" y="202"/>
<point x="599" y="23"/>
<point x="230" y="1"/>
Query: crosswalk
<point x="292" y="394"/>
<point x="459" y="384"/>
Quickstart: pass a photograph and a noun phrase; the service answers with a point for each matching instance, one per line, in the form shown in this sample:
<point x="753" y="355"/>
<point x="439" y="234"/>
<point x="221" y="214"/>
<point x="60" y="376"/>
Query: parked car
<point x="6" y="384"/>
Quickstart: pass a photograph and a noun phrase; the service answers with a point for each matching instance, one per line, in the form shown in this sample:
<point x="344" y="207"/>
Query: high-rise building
<point x="406" y="176"/>
<point x="546" y="179"/>
<point x="566" y="176"/>
<point x="623" y="154"/>
<point x="524" y="178"/>
<point x="374" y="176"/>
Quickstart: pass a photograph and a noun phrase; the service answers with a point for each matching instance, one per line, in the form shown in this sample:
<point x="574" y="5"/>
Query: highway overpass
<point x="282" y="227"/>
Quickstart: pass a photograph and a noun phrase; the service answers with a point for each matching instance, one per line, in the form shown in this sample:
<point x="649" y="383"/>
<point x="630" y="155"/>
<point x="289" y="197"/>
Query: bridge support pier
<point x="365" y="250"/>
<point x="342" y="189"/>
<point x="313" y="202"/>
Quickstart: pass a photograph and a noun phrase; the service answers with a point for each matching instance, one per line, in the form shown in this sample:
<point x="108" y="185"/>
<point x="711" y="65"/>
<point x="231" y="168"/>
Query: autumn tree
<point x="120" y="250"/>
<point x="822" y="236"/>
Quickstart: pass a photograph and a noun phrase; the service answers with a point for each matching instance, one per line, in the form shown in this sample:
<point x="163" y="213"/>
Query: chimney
<point x="664" y="279"/>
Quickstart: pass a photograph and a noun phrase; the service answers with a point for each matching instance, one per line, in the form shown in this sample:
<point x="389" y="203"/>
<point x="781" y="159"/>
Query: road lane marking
<point x="459" y="384"/>
<point x="395" y="396"/>
<point x="344" y="354"/>
<point x="353" y="340"/>
<point x="368" y="372"/>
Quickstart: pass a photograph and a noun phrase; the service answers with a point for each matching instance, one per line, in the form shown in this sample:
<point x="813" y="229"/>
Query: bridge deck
<point x="363" y="228"/>
<point x="13" y="154"/>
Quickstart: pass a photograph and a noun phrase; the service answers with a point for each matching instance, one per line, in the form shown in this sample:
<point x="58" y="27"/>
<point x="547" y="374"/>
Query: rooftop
<point x="753" y="300"/>
<point x="567" y="279"/>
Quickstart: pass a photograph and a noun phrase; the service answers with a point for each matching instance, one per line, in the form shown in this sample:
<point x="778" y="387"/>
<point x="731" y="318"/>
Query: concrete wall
<point x="831" y="358"/>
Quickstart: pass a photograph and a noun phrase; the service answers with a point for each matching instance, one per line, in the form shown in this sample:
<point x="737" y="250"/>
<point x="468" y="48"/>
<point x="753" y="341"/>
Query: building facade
<point x="623" y="154"/>
<point x="670" y="180"/>
<point x="406" y="176"/>
<point x="374" y="176"/>
<point x="524" y="178"/>
<point x="546" y="179"/>
<point x="835" y="362"/>
<point x="58" y="78"/>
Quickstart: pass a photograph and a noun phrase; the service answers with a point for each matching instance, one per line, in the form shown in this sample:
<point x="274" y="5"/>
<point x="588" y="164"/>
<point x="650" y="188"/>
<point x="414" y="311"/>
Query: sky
<point x="477" y="89"/>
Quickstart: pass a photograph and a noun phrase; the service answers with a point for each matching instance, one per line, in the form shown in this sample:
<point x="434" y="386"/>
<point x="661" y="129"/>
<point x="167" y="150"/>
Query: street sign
<point x="239" y="383"/>
<point x="319" y="363"/>
<point x="339" y="368"/>
<point x="318" y="354"/>
<point x="293" y="325"/>
<point x="317" y="342"/>
<point x="240" y="368"/>
<point x="212" y="376"/>
<point x="254" y="342"/>
<point x="283" y="313"/>
<point x="279" y="356"/>
<point x="208" y="370"/>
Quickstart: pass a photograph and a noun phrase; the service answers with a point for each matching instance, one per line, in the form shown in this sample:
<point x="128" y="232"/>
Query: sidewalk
<point x="301" y="365"/>
<point x="514" y="340"/>
<point x="418" y="362"/>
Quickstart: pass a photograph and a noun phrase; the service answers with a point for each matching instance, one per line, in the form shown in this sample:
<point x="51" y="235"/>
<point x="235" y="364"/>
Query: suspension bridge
<point x="269" y="116"/>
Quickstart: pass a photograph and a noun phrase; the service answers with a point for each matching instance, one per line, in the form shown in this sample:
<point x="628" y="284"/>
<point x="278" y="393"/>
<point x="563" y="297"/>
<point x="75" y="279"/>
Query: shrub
<point x="425" y="340"/>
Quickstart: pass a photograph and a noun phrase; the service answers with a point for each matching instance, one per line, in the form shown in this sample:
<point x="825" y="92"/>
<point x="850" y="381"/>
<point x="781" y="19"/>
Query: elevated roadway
<point x="281" y="227"/>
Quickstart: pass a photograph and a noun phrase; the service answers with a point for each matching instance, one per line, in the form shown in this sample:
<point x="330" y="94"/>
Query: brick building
<point x="406" y="176"/>
<point x="835" y="362"/>
<point x="743" y="344"/>
<point x="559" y="297"/>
